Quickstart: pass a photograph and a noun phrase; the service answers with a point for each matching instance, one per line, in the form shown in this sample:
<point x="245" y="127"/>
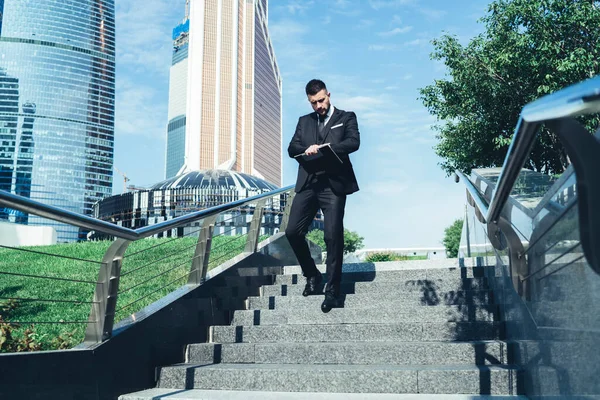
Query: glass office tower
<point x="57" y="91"/>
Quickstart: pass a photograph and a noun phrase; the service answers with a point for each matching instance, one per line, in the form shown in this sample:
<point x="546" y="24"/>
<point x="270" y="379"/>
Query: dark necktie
<point x="321" y="127"/>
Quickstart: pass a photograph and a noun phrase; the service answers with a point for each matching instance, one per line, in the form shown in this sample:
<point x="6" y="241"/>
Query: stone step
<point x="403" y="331"/>
<point x="365" y="315"/>
<point x="195" y="394"/>
<point x="461" y="379"/>
<point x="400" y="265"/>
<point x="400" y="275"/>
<point x="356" y="353"/>
<point x="465" y="298"/>
<point x="429" y="288"/>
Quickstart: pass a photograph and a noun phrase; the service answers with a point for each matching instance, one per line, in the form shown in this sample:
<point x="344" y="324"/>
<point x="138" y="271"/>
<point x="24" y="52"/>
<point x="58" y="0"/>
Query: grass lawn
<point x="152" y="268"/>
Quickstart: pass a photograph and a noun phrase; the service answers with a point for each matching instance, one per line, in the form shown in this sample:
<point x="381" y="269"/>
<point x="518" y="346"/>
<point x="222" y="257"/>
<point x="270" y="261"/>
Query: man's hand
<point x="314" y="149"/>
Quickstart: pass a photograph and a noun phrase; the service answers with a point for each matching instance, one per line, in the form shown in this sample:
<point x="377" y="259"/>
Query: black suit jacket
<point x="342" y="133"/>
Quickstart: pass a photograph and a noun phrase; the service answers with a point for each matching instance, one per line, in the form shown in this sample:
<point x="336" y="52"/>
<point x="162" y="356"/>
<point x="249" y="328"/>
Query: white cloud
<point x="407" y="77"/>
<point x="342" y="3"/>
<point x="383" y="47"/>
<point x="144" y="34"/>
<point x="387" y="189"/>
<point x="346" y="8"/>
<point x="396" y="20"/>
<point x="380" y="4"/>
<point x="383" y="149"/>
<point x="287" y="30"/>
<point x="364" y="24"/>
<point x="431" y="13"/>
<point x="290" y="46"/>
<point x="353" y="12"/>
<point x="417" y="42"/>
<point x="298" y="6"/>
<point x="361" y="103"/>
<point x="395" y="31"/>
<point x="327" y="20"/>
<point x="139" y="110"/>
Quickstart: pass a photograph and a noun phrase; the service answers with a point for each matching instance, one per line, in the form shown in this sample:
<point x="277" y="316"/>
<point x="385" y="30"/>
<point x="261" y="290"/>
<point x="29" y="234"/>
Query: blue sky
<point x="372" y="54"/>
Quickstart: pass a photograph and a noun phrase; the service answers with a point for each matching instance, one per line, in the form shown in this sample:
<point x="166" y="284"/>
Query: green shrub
<point x="10" y="340"/>
<point x="352" y="240"/>
<point x="380" y="257"/>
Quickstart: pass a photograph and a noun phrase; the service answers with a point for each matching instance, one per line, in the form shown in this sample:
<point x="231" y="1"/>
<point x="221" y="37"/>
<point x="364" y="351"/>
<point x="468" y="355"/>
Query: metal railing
<point x="557" y="112"/>
<point x="169" y="263"/>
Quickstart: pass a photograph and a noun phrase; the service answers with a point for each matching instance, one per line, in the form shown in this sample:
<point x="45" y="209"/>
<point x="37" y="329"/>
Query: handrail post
<point x="102" y="313"/>
<point x="202" y="253"/>
<point x="254" y="231"/>
<point x="467" y="233"/>
<point x="286" y="212"/>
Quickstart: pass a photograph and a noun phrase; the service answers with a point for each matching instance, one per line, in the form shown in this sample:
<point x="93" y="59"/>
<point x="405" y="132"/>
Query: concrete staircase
<point x="408" y="330"/>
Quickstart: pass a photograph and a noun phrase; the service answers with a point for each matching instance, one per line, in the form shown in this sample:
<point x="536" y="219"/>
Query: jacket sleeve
<point x="351" y="140"/>
<point x="296" y="147"/>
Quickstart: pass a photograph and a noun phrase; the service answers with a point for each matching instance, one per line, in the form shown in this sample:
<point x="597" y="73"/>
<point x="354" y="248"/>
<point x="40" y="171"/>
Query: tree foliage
<point x="452" y="238"/>
<point x="529" y="48"/>
<point x="352" y="240"/>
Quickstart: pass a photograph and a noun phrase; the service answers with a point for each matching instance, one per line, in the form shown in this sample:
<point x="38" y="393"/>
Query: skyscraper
<point x="57" y="91"/>
<point x="225" y="91"/>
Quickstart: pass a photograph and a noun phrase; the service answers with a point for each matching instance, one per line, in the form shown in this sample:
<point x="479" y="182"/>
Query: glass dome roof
<point x="214" y="178"/>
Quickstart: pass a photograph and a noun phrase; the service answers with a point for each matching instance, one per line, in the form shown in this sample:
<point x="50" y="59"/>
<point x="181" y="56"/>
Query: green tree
<point x="317" y="236"/>
<point x="529" y="48"/>
<point x="452" y="238"/>
<point x="352" y="240"/>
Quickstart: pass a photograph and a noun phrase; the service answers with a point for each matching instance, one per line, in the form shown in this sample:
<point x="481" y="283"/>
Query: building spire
<point x="187" y="10"/>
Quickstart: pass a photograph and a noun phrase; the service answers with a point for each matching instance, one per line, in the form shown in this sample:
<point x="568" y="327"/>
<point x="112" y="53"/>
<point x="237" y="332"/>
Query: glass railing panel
<point x="564" y="289"/>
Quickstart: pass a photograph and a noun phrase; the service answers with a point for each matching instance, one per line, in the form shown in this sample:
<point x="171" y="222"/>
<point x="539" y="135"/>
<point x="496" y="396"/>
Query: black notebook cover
<point x="321" y="161"/>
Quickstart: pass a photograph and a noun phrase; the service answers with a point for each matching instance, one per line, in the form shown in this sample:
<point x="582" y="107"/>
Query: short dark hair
<point x="315" y="86"/>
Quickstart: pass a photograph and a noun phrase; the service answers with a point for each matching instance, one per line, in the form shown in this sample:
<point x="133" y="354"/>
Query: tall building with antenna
<point x="225" y="92"/>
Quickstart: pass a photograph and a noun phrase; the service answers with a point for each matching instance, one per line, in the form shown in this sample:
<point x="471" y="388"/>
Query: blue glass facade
<point x="57" y="91"/>
<point x="175" y="145"/>
<point x="175" y="157"/>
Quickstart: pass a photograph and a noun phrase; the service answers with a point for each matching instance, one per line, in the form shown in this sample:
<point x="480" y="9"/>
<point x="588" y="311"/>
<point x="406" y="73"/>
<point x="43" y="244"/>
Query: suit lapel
<point x="334" y="118"/>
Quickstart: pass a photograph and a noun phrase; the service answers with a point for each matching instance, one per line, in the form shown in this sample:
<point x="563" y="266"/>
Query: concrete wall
<point x="16" y="235"/>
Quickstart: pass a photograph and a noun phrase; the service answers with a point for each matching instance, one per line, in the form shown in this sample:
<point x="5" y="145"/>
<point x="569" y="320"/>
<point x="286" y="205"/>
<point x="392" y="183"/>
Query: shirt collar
<point x="329" y="114"/>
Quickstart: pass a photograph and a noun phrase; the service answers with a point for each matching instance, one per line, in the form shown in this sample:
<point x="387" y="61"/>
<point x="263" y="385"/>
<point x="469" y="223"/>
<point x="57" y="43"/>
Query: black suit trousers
<point x="306" y="203"/>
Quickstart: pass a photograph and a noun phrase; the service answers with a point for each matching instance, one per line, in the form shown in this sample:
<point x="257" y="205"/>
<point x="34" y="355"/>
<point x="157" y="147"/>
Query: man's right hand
<point x="314" y="149"/>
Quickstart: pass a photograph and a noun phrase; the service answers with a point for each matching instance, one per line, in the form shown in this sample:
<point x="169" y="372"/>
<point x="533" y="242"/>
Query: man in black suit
<point x="325" y="188"/>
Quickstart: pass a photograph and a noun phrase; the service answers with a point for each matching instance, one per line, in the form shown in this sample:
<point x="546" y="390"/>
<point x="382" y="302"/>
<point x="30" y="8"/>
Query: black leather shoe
<point x="312" y="285"/>
<point x="332" y="300"/>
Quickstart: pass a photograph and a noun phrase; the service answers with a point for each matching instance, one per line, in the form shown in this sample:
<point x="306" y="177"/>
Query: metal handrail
<point x="475" y="194"/>
<point x="27" y="205"/>
<point x="556" y="111"/>
<point x="580" y="99"/>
